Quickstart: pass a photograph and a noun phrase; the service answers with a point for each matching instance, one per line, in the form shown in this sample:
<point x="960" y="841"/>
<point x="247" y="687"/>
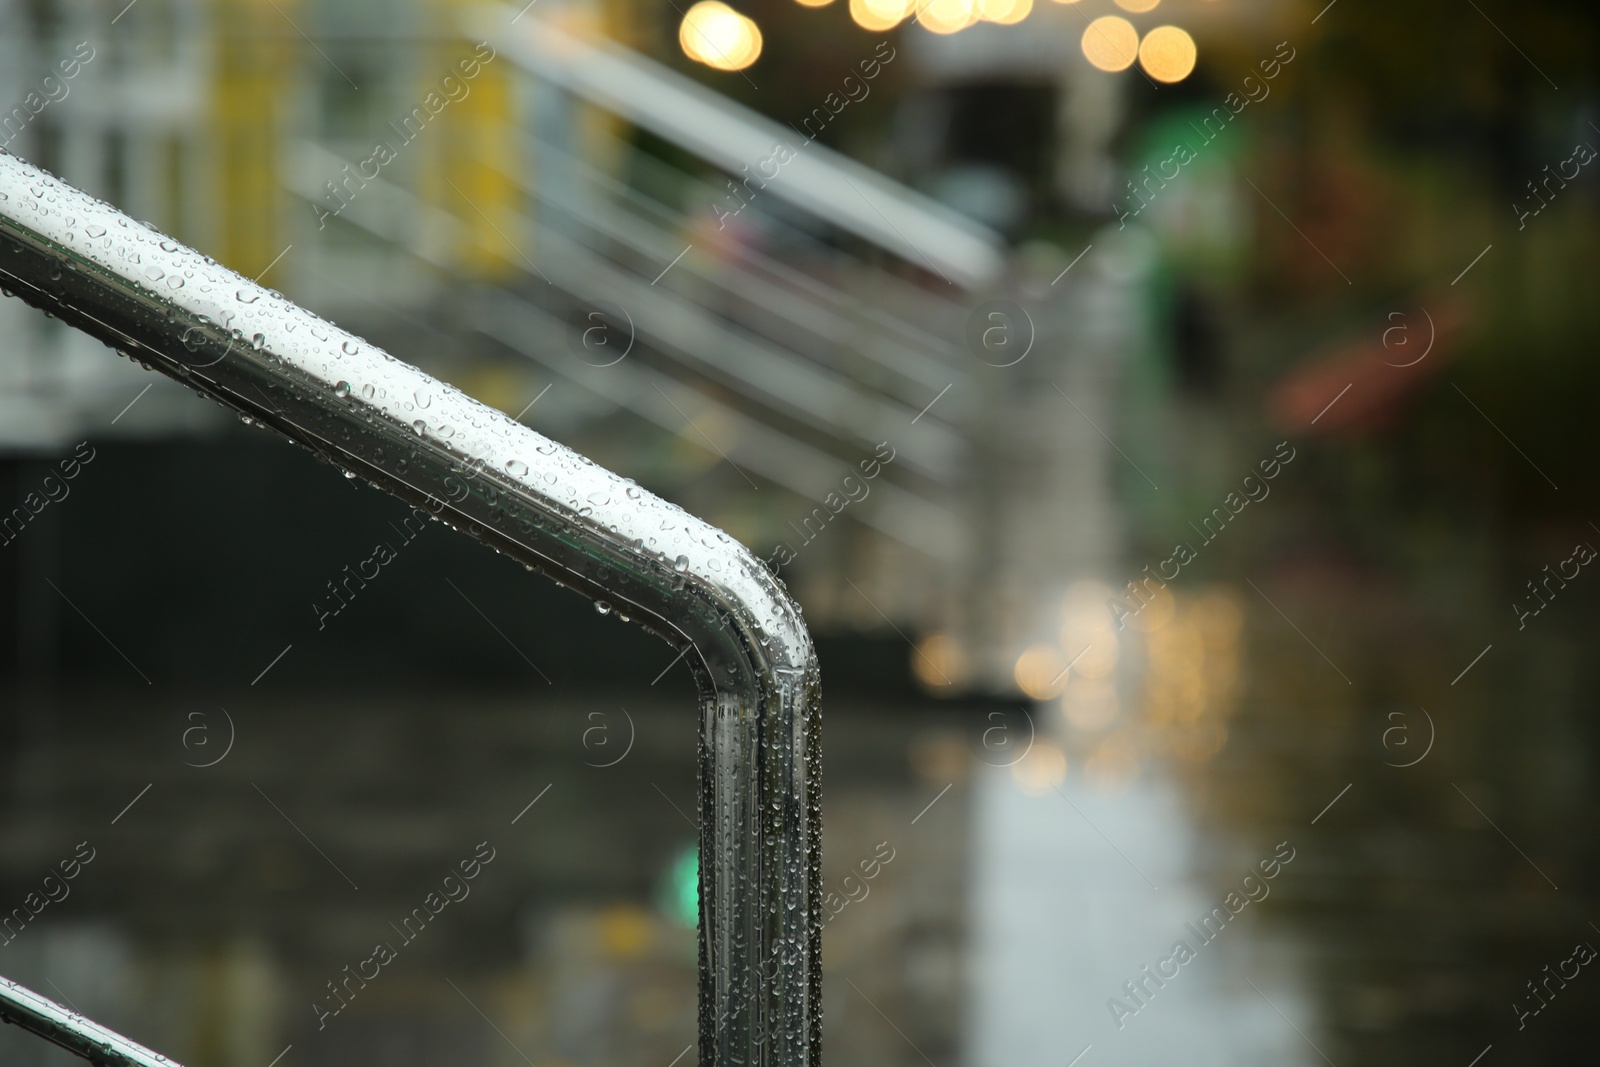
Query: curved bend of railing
<point x="474" y="468"/>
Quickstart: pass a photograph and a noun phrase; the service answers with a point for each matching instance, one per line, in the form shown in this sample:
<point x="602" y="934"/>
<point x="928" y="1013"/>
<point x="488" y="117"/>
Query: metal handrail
<point x="478" y="470"/>
<point x="39" y="1015"/>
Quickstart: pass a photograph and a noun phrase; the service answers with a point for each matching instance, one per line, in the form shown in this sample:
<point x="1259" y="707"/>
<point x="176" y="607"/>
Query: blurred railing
<point x="815" y="357"/>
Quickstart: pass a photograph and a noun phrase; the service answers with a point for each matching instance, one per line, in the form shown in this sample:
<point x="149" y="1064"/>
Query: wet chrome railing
<point x="27" y="1009"/>
<point x="474" y="468"/>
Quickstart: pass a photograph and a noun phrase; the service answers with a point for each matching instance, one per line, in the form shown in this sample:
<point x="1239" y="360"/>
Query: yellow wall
<point x="474" y="152"/>
<point x="470" y="150"/>
<point x="254" y="58"/>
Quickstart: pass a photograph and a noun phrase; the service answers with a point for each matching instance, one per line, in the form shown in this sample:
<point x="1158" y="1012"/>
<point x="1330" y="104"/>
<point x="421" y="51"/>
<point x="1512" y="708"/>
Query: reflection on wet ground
<point x="1092" y="923"/>
<point x="1267" y="828"/>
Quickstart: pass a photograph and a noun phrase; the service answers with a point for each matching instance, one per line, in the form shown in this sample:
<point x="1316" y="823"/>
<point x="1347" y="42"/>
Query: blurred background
<point x="1174" y="417"/>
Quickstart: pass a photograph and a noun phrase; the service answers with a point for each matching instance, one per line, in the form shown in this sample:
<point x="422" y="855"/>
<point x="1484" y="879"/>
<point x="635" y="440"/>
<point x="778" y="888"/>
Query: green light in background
<point x="680" y="890"/>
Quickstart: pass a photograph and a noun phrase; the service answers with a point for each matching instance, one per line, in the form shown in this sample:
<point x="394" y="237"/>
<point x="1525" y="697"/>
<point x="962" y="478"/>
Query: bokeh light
<point x="1090" y="704"/>
<point x="1192" y="668"/>
<point x="813" y="3"/>
<point x="680" y="888"/>
<point x="1111" y="43"/>
<point x="946" y="16"/>
<point x="1041" y="770"/>
<point x="939" y="662"/>
<point x="1136" y="6"/>
<point x="879" y="15"/>
<point x="1088" y="630"/>
<point x="718" y="36"/>
<point x="1041" y="672"/>
<point x="1153" y="607"/>
<point x="1167" y="54"/>
<point x="1090" y="644"/>
<point x="1005" y="12"/>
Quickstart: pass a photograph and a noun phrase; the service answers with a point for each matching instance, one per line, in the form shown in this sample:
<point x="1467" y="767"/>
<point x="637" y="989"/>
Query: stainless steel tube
<point x="27" y="1009"/>
<point x="379" y="419"/>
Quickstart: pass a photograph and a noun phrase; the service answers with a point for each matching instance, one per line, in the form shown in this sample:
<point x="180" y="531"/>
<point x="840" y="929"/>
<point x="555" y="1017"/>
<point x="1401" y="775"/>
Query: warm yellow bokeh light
<point x="1111" y="43"/>
<point x="1041" y="770"/>
<point x="1092" y="653"/>
<point x="939" y="662"/>
<point x="814" y="3"/>
<point x="1090" y="643"/>
<point x="946" y="16"/>
<point x="1090" y="704"/>
<point x="1136" y="6"/>
<point x="718" y="36"/>
<point x="879" y="15"/>
<point x="1088" y="631"/>
<point x="1041" y="672"/>
<point x="1005" y="12"/>
<point x="1167" y="54"/>
<point x="1192" y="668"/>
<point x="1176" y="650"/>
<point x="1154" y="607"/>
